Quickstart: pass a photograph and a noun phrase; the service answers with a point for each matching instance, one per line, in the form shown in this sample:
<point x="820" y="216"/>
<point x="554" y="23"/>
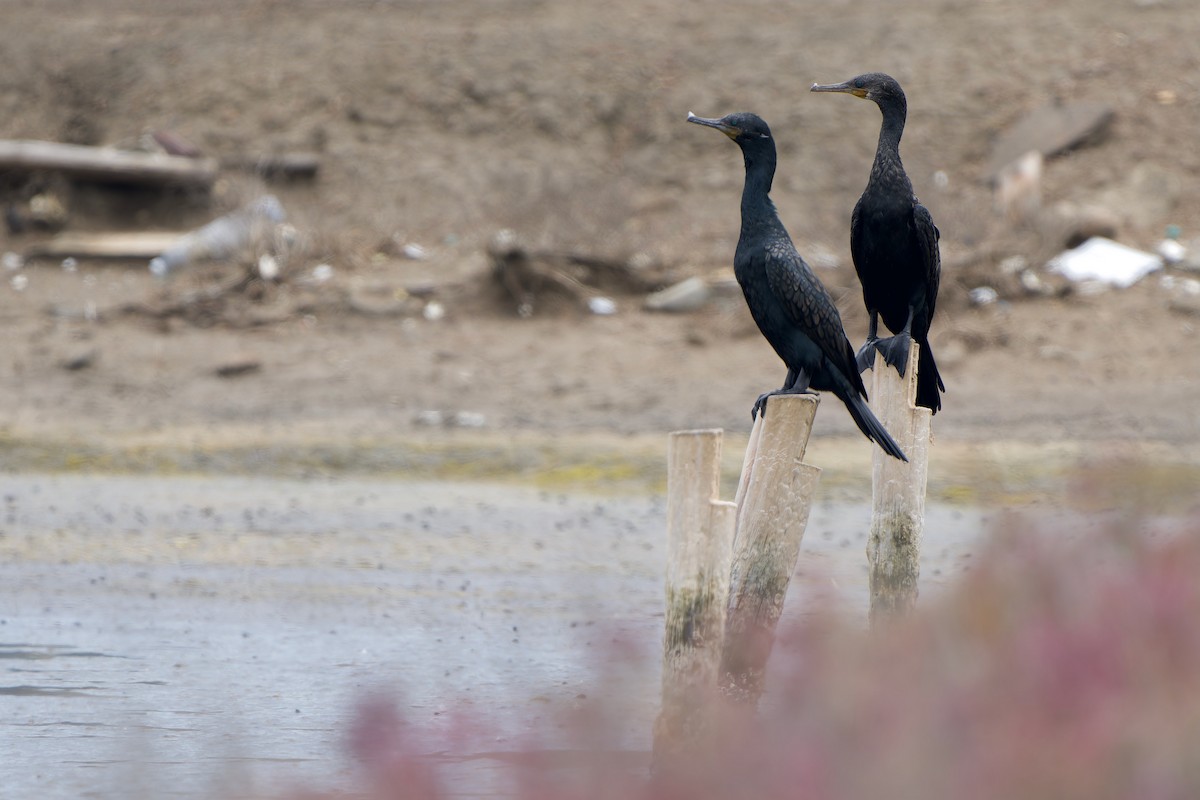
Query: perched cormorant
<point x="792" y="308"/>
<point x="895" y="245"/>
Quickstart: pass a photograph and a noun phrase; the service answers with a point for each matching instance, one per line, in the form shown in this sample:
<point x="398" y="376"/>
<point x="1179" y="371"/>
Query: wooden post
<point x="898" y="490"/>
<point x="774" y="498"/>
<point x="700" y="531"/>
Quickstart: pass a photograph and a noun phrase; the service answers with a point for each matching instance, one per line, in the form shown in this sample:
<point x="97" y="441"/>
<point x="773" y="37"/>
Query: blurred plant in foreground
<point x="1054" y="670"/>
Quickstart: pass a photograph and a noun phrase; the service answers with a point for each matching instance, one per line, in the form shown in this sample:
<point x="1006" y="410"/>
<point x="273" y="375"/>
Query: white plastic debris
<point x="1013" y="264"/>
<point x="414" y="252"/>
<point x="1106" y="261"/>
<point x="469" y="419"/>
<point x="433" y="311"/>
<point x="1032" y="283"/>
<point x="603" y="306"/>
<point x="983" y="295"/>
<point x="1172" y="251"/>
<point x="12" y="261"/>
<point x="268" y="267"/>
<point x="19" y="282"/>
<point x="430" y="417"/>
<point x="69" y="264"/>
<point x="322" y="273"/>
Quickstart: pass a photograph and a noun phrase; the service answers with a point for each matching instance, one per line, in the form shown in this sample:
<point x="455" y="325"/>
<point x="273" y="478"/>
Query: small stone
<point x="234" y="369"/>
<point x="602" y="306"/>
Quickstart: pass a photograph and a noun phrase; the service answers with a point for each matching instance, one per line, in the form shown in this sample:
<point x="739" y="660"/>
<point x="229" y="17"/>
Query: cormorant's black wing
<point x="809" y="305"/>
<point x="928" y="236"/>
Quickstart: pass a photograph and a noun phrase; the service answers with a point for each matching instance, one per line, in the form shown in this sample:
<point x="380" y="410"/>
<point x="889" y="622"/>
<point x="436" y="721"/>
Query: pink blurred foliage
<point x="1055" y="669"/>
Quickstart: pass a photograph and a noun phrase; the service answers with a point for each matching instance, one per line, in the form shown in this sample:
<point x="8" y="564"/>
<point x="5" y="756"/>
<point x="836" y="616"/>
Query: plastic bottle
<point x="221" y="238"/>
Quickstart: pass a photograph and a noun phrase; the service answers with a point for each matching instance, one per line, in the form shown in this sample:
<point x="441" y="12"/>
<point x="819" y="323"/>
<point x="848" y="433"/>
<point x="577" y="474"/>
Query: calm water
<point x="200" y="637"/>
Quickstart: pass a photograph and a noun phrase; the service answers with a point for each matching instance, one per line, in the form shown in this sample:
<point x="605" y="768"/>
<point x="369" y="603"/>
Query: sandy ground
<point x="440" y="123"/>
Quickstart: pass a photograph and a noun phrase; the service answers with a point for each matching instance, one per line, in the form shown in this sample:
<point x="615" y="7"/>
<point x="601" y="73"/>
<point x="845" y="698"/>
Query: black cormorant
<point x="792" y="308"/>
<point x="895" y="245"/>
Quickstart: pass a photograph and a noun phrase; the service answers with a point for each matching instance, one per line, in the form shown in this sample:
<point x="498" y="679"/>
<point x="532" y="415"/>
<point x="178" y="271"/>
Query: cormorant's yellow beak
<point x="845" y="88"/>
<point x="720" y="124"/>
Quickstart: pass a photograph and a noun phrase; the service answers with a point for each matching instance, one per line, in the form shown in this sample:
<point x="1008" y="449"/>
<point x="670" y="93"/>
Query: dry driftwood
<point x="106" y="164"/>
<point x="136" y="244"/>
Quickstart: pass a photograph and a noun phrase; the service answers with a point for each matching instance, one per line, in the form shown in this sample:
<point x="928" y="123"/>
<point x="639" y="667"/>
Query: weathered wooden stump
<point x="898" y="491"/>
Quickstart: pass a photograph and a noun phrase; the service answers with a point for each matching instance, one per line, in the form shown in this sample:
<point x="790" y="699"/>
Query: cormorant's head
<point x="877" y="86"/>
<point x="744" y="128"/>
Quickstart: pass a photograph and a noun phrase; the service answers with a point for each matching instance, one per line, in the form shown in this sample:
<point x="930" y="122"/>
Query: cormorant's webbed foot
<point x="865" y="359"/>
<point x="760" y="405"/>
<point x="895" y="351"/>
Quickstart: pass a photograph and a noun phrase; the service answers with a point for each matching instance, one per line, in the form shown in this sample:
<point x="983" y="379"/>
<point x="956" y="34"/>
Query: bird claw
<point x="760" y="405"/>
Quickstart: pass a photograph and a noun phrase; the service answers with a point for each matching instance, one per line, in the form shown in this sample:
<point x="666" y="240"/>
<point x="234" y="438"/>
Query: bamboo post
<point x="898" y="490"/>
<point x="700" y="530"/>
<point x="773" y="500"/>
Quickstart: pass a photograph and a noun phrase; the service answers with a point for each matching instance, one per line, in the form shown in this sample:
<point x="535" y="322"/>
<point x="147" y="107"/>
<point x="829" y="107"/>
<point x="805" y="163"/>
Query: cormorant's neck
<point x="757" y="207"/>
<point x="887" y="153"/>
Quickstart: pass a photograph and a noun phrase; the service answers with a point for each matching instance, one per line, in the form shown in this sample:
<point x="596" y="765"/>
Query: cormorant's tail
<point x="929" y="381"/>
<point x="871" y="427"/>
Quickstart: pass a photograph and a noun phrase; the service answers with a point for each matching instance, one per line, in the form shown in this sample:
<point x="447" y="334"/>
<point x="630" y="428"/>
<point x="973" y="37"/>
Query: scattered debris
<point x="1172" y="251"/>
<point x="79" y="361"/>
<point x="983" y="296"/>
<point x="528" y="276"/>
<point x="414" y="252"/>
<point x="69" y="264"/>
<point x="1104" y="261"/>
<point x="278" y="167"/>
<point x="687" y="295"/>
<point x="268" y="267"/>
<point x="602" y="306"/>
<point x="1018" y="188"/>
<point x="1049" y="130"/>
<point x="174" y="144"/>
<point x="223" y="237"/>
<point x="1032" y="283"/>
<point x="433" y="418"/>
<point x="433" y="311"/>
<point x="321" y="273"/>
<point x="12" y="261"/>
<point x="43" y="212"/>
<point x="106" y="164"/>
<point x="19" y="282"/>
<point x="237" y="368"/>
